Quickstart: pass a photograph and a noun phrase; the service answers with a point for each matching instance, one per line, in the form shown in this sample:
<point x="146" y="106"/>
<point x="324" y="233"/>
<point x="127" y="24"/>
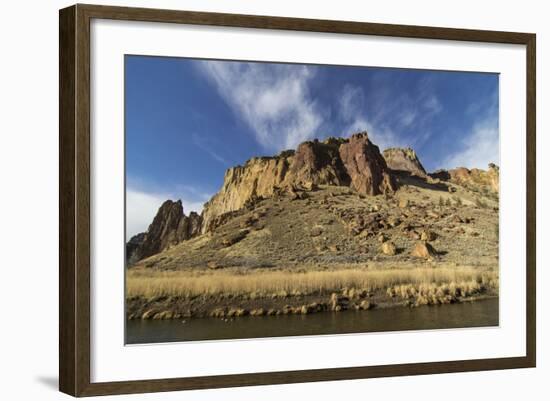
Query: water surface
<point x="469" y="314"/>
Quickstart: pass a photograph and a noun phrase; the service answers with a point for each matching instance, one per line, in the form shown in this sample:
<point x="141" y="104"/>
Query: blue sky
<point x="189" y="120"/>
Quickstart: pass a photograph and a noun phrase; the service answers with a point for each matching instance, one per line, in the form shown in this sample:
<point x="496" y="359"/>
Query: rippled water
<point x="474" y="314"/>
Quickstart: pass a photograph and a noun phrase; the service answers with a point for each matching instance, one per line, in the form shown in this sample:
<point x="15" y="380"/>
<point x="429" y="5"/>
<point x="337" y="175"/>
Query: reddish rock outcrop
<point x="318" y="163"/>
<point x="366" y="166"/>
<point x="475" y="177"/>
<point x="169" y="227"/>
<point x="404" y="159"/>
<point x="354" y="162"/>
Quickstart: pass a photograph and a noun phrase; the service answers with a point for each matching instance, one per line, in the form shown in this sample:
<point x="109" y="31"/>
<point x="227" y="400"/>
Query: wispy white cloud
<point x="272" y="99"/>
<point x="386" y="116"/>
<point x="207" y="146"/>
<point x="430" y="104"/>
<point x="142" y="206"/>
<point x="351" y="102"/>
<point x="480" y="146"/>
<point x="357" y="117"/>
<point x="407" y="117"/>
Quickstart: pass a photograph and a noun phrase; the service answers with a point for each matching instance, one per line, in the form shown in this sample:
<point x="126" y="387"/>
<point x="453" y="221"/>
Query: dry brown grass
<point x="148" y="283"/>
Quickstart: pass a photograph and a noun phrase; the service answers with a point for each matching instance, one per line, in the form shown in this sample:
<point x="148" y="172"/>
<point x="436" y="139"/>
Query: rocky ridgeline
<point x="169" y="227"/>
<point x="404" y="160"/>
<point x="471" y="178"/>
<point x="353" y="162"/>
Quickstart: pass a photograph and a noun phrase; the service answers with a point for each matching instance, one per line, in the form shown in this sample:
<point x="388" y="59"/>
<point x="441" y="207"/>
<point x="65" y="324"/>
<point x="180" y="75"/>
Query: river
<point x="468" y="314"/>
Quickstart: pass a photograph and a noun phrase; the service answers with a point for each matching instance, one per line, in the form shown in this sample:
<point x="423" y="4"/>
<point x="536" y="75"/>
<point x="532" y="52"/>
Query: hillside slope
<point x="328" y="227"/>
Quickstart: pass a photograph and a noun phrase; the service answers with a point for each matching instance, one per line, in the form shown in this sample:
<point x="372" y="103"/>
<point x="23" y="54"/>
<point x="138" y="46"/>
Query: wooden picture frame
<point x="74" y="199"/>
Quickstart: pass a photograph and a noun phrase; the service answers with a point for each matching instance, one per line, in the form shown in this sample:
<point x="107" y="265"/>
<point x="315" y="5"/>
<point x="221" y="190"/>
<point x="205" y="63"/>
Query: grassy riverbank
<point x="238" y="292"/>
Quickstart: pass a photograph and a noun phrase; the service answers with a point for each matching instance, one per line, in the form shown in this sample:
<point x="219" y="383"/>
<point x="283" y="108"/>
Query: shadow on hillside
<point x="406" y="178"/>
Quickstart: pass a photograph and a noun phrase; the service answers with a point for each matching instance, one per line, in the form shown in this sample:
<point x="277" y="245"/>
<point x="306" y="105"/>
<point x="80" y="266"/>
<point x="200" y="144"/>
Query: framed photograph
<point x="250" y="200"/>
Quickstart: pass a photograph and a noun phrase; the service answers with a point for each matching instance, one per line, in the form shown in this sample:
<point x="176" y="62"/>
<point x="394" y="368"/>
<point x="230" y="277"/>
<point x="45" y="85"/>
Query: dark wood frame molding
<point x="74" y="199"/>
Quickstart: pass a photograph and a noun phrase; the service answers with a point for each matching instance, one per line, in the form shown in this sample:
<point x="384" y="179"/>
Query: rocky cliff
<point x="404" y="159"/>
<point x="471" y="177"/>
<point x="169" y="227"/>
<point x="355" y="162"/>
<point x="366" y="166"/>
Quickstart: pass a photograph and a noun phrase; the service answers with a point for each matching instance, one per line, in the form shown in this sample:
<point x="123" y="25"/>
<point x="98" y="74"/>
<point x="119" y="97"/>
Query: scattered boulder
<point x="338" y="302"/>
<point x="258" y="312"/>
<point x="403" y="203"/>
<point x="423" y="250"/>
<point x="365" y="305"/>
<point x="305" y="309"/>
<point x="388" y="248"/>
<point x="148" y="314"/>
<point x="164" y="315"/>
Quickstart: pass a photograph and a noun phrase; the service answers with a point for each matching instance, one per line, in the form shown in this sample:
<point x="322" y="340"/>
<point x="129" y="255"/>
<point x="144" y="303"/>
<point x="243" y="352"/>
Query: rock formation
<point x="318" y="163"/>
<point x="259" y="177"/>
<point x="354" y="162"/>
<point x="133" y="248"/>
<point x="423" y="249"/>
<point x="366" y="166"/>
<point x="169" y="227"/>
<point x="475" y="177"/>
<point x="404" y="159"/>
<point x="300" y="175"/>
<point x="388" y="248"/>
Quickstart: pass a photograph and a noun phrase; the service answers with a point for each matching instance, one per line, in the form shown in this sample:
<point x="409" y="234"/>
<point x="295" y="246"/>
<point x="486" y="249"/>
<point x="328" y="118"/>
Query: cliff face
<point x="169" y="227"/>
<point x="404" y="159"/>
<point x="318" y="163"/>
<point x="471" y="177"/>
<point x="354" y="162"/>
<point x="366" y="166"/>
<point x="340" y="162"/>
<point x="257" y="178"/>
